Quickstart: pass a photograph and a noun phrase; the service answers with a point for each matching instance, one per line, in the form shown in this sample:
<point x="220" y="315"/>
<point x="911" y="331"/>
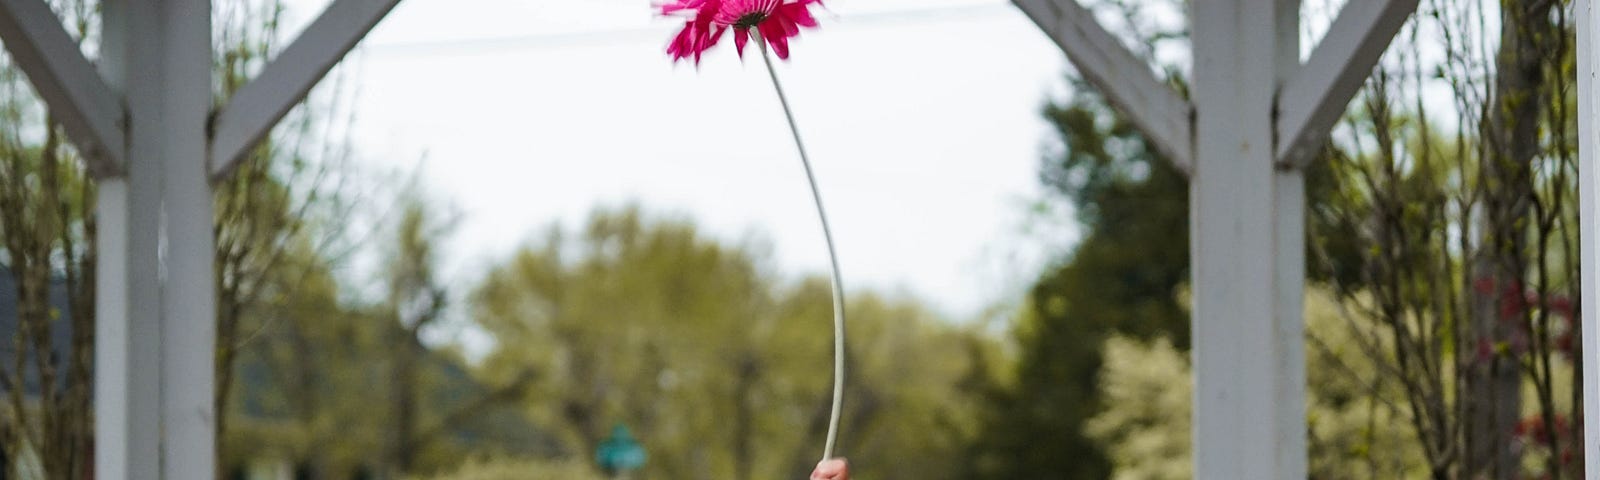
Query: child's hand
<point x="831" y="469"/>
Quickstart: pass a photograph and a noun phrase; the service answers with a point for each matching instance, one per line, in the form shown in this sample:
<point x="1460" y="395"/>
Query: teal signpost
<point x="619" y="453"/>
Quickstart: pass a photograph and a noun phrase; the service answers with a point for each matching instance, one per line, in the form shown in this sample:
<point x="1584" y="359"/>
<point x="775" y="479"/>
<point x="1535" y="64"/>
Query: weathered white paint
<point x="163" y="63"/>
<point x="1247" y="247"/>
<point x="126" y="395"/>
<point x="127" y="301"/>
<point x="182" y="41"/>
<point x="1588" y="16"/>
<point x="256" y="107"/>
<point x="1314" y="98"/>
<point x="1127" y="82"/>
<point x="90" y="112"/>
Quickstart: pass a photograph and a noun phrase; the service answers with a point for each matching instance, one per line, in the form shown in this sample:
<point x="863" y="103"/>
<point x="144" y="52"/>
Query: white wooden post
<point x="157" y="320"/>
<point x="1589" y="233"/>
<point x="127" y="393"/>
<point x="1247" y="247"/>
<point x="188" y="296"/>
<point x="126" y="444"/>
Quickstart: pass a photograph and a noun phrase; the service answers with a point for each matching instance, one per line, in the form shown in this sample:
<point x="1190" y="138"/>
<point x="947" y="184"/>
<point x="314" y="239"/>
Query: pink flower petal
<point x="709" y="19"/>
<point x="775" y="36"/>
<point x="740" y="37"/>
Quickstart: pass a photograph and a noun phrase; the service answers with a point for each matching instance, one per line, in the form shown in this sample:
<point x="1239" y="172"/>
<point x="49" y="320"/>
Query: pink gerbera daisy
<point x="774" y="20"/>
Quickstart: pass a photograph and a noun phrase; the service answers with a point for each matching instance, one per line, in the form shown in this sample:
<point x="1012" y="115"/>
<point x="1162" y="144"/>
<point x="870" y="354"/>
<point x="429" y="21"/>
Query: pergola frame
<point x="1257" y="116"/>
<point x="145" y="123"/>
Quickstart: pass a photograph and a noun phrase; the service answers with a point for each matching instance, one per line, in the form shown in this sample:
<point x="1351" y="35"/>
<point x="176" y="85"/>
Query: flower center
<point x="750" y="20"/>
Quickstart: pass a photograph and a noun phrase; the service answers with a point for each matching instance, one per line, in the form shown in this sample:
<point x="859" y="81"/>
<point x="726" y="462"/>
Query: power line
<point x="628" y="35"/>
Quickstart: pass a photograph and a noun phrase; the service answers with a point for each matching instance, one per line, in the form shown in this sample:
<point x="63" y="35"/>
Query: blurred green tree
<point x="720" y="369"/>
<point x="522" y="469"/>
<point x="331" y="386"/>
<point x="286" y="207"/>
<point x="1123" y="277"/>
<point x="1356" y="428"/>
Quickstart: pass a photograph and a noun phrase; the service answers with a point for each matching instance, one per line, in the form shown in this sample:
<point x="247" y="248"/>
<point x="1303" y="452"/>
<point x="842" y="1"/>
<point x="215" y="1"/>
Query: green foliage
<point x="335" y="388"/>
<point x="1145" y="426"/>
<point x="520" y="469"/>
<point x="1356" y="427"/>
<point x="1134" y="207"/>
<point x="913" y="402"/>
<point x="305" y="384"/>
<point x="1034" y="427"/>
<point x="1456" y="230"/>
<point x="720" y="368"/>
<point x="1359" y="426"/>
<point x="1123" y="277"/>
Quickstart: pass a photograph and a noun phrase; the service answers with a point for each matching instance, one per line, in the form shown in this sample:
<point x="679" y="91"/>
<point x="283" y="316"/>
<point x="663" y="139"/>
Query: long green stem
<point x="833" y="257"/>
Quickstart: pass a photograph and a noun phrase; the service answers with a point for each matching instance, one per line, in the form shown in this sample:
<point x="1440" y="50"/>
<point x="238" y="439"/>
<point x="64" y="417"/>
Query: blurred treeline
<point x="335" y="357"/>
<point x="1440" y="318"/>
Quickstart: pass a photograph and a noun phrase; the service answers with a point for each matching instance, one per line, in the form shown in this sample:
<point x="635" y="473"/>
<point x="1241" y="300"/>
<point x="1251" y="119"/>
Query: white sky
<point x="921" y="117"/>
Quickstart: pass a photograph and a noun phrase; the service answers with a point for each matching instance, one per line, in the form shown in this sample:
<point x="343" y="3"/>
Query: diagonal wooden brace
<point x="257" y="107"/>
<point x="1311" y="101"/>
<point x="1165" y="118"/>
<point x="90" y="111"/>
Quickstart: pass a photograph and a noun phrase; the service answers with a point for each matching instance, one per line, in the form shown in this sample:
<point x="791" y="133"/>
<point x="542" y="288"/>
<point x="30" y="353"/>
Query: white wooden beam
<point x="1247" y="248"/>
<point x="91" y="112"/>
<point x="127" y="393"/>
<point x="155" y="377"/>
<point x="1312" y="100"/>
<point x="1165" y="118"/>
<point x="255" y="108"/>
<point x="1588" y="16"/>
<point x="188" y="290"/>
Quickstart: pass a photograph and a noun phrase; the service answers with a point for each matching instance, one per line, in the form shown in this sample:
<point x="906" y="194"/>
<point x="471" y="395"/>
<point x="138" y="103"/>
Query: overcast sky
<point x="921" y="117"/>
